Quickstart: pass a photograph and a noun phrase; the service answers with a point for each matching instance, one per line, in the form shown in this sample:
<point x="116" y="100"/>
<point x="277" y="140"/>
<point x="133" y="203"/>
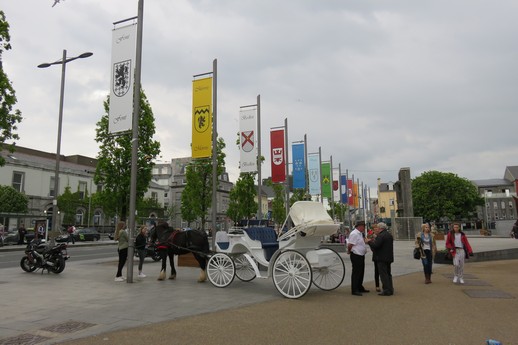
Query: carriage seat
<point x="267" y="237"/>
<point x="222" y="240"/>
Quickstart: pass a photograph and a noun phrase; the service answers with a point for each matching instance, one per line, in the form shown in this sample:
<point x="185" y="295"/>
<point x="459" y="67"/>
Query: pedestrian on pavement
<point x="383" y="246"/>
<point x="71" y="229"/>
<point x="459" y="247"/>
<point x="121" y="235"/>
<point x="372" y="234"/>
<point x="425" y="241"/>
<point x="140" y="246"/>
<point x="21" y="233"/>
<point x="357" y="249"/>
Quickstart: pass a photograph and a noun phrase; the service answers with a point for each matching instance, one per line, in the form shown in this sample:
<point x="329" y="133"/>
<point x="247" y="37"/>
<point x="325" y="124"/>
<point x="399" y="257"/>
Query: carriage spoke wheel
<point x="221" y="270"/>
<point x="292" y="274"/>
<point x="330" y="277"/>
<point x="244" y="270"/>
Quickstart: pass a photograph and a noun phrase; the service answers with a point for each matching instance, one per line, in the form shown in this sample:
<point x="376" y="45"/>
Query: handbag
<point x="417" y="254"/>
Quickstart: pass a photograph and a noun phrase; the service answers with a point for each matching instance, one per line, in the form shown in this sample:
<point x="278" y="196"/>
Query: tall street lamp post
<point x="63" y="63"/>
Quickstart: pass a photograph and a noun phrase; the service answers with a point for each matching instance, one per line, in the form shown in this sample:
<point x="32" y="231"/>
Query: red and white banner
<point x="247" y="139"/>
<point x="278" y="154"/>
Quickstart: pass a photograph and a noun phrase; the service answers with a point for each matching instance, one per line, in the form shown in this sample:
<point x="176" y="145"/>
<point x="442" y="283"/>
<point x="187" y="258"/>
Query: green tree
<point x="114" y="159"/>
<point x="338" y="210"/>
<point x="278" y="203"/>
<point x="146" y="206"/>
<point x="298" y="194"/>
<point x="439" y="195"/>
<point x="68" y="203"/>
<point x="12" y="201"/>
<point x="197" y="195"/>
<point x="242" y="204"/>
<point x="8" y="118"/>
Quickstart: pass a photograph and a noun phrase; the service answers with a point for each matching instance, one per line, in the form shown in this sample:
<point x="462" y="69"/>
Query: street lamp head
<point x="85" y="55"/>
<point x="44" y="65"/>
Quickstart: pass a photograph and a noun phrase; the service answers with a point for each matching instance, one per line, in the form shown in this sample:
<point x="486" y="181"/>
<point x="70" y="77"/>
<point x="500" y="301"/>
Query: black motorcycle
<point x="41" y="255"/>
<point x="151" y="252"/>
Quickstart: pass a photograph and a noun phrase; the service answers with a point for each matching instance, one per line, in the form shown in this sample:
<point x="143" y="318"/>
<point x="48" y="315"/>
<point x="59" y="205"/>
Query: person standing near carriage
<point x="21" y="233"/>
<point x="140" y="246"/>
<point x="121" y="235"/>
<point x="383" y="246"/>
<point x="357" y="249"/>
<point x="372" y="234"/>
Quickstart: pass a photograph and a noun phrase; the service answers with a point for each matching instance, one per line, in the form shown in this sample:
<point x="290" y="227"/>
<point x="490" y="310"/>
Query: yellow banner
<point x="202" y="118"/>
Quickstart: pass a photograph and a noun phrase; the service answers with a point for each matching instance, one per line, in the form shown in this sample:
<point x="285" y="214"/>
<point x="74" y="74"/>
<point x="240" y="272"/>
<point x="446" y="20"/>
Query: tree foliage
<point x="8" y="118"/>
<point x="68" y="203"/>
<point x="197" y="195"/>
<point x="242" y="204"/>
<point x="437" y="195"/>
<point x="338" y="210"/>
<point x="278" y="203"/>
<point x="114" y="160"/>
<point x="12" y="201"/>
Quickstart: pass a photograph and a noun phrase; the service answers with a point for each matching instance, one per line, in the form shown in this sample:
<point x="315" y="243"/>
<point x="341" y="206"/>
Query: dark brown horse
<point x="173" y="242"/>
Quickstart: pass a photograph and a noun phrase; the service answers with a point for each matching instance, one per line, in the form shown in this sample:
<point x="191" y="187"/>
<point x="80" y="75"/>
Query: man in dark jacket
<point x="383" y="248"/>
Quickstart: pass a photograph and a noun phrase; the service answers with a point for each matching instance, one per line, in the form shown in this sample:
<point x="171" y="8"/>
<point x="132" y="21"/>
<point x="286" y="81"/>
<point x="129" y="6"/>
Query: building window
<point x="154" y="196"/>
<point x="18" y="181"/>
<point x="99" y="188"/>
<point x="79" y="217"/>
<point x="510" y="204"/>
<point x="82" y="189"/>
<point x="165" y="195"/>
<point x="502" y="205"/>
<point x="495" y="205"/>
<point x="97" y="217"/>
<point x="51" y="189"/>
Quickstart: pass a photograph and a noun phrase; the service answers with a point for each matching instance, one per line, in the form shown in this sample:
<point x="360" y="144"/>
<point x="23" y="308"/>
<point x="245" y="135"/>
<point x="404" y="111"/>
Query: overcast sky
<point x="377" y="85"/>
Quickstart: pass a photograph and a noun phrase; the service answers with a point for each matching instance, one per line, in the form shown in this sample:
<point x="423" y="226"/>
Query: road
<point x="11" y="259"/>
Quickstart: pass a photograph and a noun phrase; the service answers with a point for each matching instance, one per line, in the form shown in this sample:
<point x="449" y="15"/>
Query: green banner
<point x="326" y="180"/>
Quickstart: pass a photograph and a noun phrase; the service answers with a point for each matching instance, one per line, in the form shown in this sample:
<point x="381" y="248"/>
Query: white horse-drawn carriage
<point x="293" y="260"/>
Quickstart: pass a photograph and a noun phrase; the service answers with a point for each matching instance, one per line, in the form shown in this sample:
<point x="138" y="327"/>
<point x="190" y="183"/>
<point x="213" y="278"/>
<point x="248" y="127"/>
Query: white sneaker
<point x="141" y="275"/>
<point x="461" y="281"/>
<point x="119" y="279"/>
<point x="455" y="279"/>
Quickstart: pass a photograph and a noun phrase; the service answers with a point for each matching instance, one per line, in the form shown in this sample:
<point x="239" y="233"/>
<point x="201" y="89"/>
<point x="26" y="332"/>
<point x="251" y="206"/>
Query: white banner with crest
<point x="247" y="139"/>
<point x="124" y="46"/>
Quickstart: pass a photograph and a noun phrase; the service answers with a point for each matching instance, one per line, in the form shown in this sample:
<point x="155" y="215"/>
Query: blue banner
<point x="343" y="189"/>
<point x="299" y="167"/>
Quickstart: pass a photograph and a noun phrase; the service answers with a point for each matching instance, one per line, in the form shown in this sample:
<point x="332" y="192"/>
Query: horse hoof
<point x="172" y="276"/>
<point x="161" y="276"/>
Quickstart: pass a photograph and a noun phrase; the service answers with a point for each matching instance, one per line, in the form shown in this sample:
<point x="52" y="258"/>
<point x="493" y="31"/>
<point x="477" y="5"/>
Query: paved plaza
<point x="83" y="305"/>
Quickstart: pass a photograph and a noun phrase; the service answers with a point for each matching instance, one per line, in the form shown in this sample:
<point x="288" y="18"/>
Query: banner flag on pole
<point x="124" y="48"/>
<point x="202" y="118"/>
<point x="343" y="189"/>
<point x="326" y="180"/>
<point x="350" y="194"/>
<point x="247" y="139"/>
<point x="299" y="168"/>
<point x="278" y="155"/>
<point x="314" y="173"/>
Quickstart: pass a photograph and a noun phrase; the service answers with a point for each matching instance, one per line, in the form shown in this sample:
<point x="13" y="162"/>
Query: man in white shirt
<point x="357" y="249"/>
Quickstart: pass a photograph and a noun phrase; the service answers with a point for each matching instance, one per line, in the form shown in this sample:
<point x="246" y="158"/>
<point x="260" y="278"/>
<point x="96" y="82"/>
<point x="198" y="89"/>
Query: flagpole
<point x="287" y="185"/>
<point x="259" y="167"/>
<point x="214" y="149"/>
<point x="320" y="169"/>
<point x="134" y="143"/>
<point x="332" y="191"/>
<point x="306" y="175"/>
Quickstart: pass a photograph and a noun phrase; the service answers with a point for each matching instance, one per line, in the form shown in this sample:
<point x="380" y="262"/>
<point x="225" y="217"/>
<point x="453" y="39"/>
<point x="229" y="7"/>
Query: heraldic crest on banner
<point x="121" y="77"/>
<point x="201" y="120"/>
<point x="247" y="141"/>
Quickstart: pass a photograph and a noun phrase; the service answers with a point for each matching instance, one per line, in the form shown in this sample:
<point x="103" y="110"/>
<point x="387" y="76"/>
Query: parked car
<point x="12" y="237"/>
<point x="87" y="234"/>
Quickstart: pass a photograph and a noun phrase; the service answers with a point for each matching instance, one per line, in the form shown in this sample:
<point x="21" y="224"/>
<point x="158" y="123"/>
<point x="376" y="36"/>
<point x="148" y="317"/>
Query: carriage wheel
<point x="244" y="270"/>
<point x="221" y="270"/>
<point x="292" y="274"/>
<point x="329" y="277"/>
